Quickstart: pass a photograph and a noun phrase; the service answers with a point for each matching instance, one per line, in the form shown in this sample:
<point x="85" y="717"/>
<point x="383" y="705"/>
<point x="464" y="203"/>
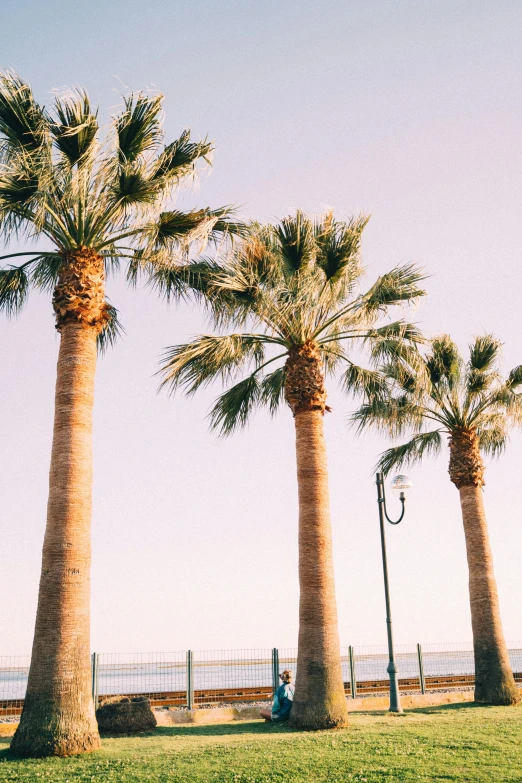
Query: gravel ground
<point x="262" y="704"/>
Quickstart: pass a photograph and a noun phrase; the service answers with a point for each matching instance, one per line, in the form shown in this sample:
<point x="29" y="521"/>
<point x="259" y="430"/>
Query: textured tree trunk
<point x="58" y="717"/>
<point x="494" y="681"/>
<point x="319" y="701"/>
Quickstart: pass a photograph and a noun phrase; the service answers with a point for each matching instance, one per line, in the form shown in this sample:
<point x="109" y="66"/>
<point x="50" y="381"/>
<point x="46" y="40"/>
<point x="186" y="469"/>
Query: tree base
<point x="505" y="696"/>
<point x="45" y="730"/>
<point x="34" y="744"/>
<point x="310" y="719"/>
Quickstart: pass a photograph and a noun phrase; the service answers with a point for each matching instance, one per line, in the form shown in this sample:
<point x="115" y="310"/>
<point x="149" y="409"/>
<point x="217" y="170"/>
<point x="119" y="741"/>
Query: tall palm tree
<point x="93" y="205"/>
<point x="470" y="402"/>
<point x="291" y="288"/>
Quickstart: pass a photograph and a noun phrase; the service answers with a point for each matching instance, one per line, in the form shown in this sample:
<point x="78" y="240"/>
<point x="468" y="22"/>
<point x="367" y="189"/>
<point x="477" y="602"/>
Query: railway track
<point x="230" y="695"/>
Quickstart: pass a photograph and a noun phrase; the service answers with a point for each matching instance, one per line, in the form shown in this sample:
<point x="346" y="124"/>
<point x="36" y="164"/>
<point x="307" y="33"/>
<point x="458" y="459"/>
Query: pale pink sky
<point x="408" y="110"/>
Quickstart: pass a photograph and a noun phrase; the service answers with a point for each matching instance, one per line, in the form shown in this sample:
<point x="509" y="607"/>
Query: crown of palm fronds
<point x="61" y="183"/>
<point x="440" y="393"/>
<point x="286" y="285"/>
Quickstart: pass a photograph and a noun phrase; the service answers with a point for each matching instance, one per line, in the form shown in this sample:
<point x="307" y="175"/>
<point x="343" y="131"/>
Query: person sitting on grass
<point x="283" y="699"/>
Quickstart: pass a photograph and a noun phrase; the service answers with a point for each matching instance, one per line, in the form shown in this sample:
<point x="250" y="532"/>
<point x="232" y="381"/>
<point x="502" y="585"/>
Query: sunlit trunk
<point x="58" y="717"/>
<point x="494" y="682"/>
<point x="319" y="701"/>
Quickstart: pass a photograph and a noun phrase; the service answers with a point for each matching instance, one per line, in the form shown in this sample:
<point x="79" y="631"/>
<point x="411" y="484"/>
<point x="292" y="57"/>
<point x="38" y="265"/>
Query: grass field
<point x="450" y="743"/>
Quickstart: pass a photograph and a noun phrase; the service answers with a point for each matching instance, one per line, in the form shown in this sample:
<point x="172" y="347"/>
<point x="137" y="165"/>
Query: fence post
<point x="353" y="679"/>
<point x="275" y="670"/>
<point x="421" y="669"/>
<point x="190" y="679"/>
<point x="94" y="668"/>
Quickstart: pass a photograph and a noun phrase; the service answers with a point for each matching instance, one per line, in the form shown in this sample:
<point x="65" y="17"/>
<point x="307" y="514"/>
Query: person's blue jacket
<point x="283" y="699"/>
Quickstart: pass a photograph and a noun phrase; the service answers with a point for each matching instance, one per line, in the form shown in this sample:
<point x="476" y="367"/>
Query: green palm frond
<point x="233" y="408"/>
<point x="14" y="286"/>
<point x="296" y="244"/>
<point x="338" y="246"/>
<point x="481" y="370"/>
<point x="111" y="331"/>
<point x="23" y="123"/>
<point x="178" y="159"/>
<point x="361" y="381"/>
<point x="493" y="434"/>
<point x="133" y="187"/>
<point x="399" y="285"/>
<point x="138" y="127"/>
<point x="197" y="363"/>
<point x="75" y="131"/>
<point x="390" y="415"/>
<point x="44" y="273"/>
<point x="445" y="362"/>
<point x="273" y="390"/>
<point x="394" y="341"/>
<point x="410" y="378"/>
<point x="411" y="453"/>
<point x="484" y="353"/>
<point x="17" y="189"/>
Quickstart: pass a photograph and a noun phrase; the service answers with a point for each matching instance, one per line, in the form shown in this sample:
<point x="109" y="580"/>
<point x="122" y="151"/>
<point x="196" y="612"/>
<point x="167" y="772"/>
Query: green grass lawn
<point x="454" y="742"/>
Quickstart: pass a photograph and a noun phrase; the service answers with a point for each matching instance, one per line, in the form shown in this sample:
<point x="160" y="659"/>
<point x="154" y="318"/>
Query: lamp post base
<point x="395" y="698"/>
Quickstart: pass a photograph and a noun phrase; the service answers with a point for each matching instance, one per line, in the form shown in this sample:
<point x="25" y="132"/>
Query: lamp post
<point x="400" y="485"/>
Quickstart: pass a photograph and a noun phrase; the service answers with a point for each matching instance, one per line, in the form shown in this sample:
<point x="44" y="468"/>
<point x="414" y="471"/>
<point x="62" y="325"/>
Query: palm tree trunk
<point x="58" y="717"/>
<point x="494" y="682"/>
<point x="319" y="702"/>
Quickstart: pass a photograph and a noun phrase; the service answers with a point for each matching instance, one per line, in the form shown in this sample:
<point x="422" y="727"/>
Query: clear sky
<point x="408" y="109"/>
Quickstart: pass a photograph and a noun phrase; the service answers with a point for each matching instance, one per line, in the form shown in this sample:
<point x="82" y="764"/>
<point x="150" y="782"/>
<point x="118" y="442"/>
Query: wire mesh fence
<point x="162" y="676"/>
<point x="13" y="683"/>
<point x="232" y="675"/>
<point x="211" y="677"/>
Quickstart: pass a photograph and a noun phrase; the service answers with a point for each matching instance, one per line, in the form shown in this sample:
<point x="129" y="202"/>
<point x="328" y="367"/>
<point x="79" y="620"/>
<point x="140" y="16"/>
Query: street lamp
<point x="400" y="486"/>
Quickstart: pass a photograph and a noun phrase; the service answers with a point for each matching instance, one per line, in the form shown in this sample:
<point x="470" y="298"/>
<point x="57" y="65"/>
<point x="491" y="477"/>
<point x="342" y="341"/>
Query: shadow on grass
<point x="223" y="729"/>
<point x="431" y="710"/>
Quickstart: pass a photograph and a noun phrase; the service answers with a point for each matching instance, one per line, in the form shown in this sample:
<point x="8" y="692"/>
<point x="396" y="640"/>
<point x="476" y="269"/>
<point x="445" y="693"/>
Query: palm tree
<point x="291" y="288"/>
<point x="473" y="405"/>
<point x="93" y="205"/>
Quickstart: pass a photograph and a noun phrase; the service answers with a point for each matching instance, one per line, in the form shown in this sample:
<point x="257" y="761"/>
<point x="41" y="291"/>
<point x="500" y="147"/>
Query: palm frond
<point x="178" y="159"/>
<point x="16" y="189"/>
<point x="14" y="287"/>
<point x="44" y="273"/>
<point x="296" y="241"/>
<point x="208" y="357"/>
<point x="493" y="438"/>
<point x="77" y="126"/>
<point x="484" y="353"/>
<point x="111" y="331"/>
<point x="444" y="362"/>
<point x="273" y="390"/>
<point x="23" y="123"/>
<point x="338" y="245"/>
<point x="411" y="453"/>
<point x="399" y="285"/>
<point x="390" y="415"/>
<point x="359" y="380"/>
<point x="138" y="127"/>
<point x="394" y="341"/>
<point x="233" y="408"/>
<point x="132" y="186"/>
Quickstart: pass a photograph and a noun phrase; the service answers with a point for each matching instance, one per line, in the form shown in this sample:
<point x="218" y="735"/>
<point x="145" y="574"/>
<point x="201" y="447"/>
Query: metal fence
<point x="209" y="677"/>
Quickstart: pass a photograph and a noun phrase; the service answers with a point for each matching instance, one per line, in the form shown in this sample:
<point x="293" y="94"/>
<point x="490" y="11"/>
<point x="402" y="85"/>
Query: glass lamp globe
<point x="401" y="485"/>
